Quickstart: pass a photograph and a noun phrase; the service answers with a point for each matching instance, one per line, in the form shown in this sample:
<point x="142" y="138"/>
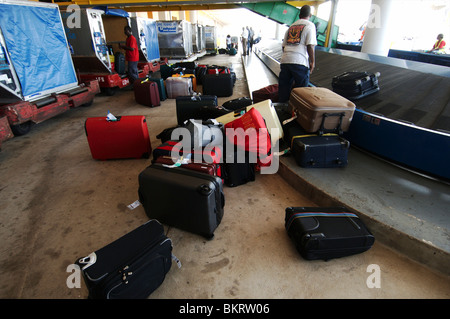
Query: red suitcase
<point x="125" y="138"/>
<point x="146" y="93"/>
<point x="259" y="143"/>
<point x="269" y="92"/>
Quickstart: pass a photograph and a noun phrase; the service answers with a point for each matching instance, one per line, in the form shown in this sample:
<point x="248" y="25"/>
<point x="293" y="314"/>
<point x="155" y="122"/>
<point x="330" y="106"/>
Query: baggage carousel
<point x="405" y="209"/>
<point x="410" y="112"/>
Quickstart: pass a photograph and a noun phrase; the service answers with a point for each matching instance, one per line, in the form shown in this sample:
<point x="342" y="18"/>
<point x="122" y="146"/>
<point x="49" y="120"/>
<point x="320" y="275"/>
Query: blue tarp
<point x="151" y="41"/>
<point x="113" y="12"/>
<point x="37" y="44"/>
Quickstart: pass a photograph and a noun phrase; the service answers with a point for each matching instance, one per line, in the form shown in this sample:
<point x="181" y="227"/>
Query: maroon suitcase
<point x="212" y="169"/>
<point x="146" y="93"/>
<point x="127" y="137"/>
<point x="269" y="92"/>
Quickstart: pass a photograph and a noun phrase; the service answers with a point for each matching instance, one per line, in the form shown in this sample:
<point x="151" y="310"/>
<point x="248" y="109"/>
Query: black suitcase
<point x="200" y="72"/>
<point x="119" y="62"/>
<point x="320" y="151"/>
<point x="199" y="107"/>
<point x="327" y="232"/>
<point x="238" y="103"/>
<point x="187" y="65"/>
<point x="236" y="172"/>
<point x="131" y="267"/>
<point x="220" y="85"/>
<point x="185" y="199"/>
<point x="355" y="85"/>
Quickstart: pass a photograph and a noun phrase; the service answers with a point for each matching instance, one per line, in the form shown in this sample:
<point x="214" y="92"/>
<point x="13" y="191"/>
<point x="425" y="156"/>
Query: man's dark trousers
<point x="296" y="74"/>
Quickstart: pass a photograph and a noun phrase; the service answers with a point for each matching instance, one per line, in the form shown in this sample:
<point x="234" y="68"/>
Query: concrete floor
<point x="58" y="204"/>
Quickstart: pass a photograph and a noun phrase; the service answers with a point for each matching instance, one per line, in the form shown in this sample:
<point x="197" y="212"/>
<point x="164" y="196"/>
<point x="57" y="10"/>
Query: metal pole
<point x="330" y="26"/>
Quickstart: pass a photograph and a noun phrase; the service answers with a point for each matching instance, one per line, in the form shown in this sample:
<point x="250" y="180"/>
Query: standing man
<point x="131" y="55"/>
<point x="298" y="60"/>
<point x="251" y="34"/>
<point x="244" y="39"/>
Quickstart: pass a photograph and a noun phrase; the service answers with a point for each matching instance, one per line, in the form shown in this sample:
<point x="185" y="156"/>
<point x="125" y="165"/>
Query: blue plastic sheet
<point x="151" y="41"/>
<point x="113" y="12"/>
<point x="37" y="44"/>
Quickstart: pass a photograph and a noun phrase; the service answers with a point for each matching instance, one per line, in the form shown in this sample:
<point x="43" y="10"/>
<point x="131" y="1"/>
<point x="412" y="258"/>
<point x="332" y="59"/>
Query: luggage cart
<point x="32" y="95"/>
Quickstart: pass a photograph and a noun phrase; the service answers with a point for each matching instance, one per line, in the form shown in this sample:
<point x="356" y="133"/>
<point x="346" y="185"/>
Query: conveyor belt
<point x="410" y="91"/>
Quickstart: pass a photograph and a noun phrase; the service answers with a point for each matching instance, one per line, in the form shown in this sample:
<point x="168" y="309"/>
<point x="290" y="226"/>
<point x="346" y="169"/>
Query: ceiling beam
<point x="175" y="5"/>
<point x="303" y="3"/>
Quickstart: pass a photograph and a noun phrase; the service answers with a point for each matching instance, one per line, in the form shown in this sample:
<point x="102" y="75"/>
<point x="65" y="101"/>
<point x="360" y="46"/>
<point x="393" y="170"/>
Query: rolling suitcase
<point x="171" y="148"/>
<point x="237" y="169"/>
<point x="131" y="267"/>
<point x="127" y="137"/>
<point x="146" y="93"/>
<point x="119" y="63"/>
<point x="195" y="107"/>
<point x="200" y="72"/>
<point x="321" y="110"/>
<point x="177" y="86"/>
<point x="217" y="69"/>
<point x="238" y="103"/>
<point x="186" y="65"/>
<point x="355" y="85"/>
<point x="267" y="111"/>
<point x="269" y="92"/>
<point x="212" y="169"/>
<point x="259" y="143"/>
<point x="220" y="84"/>
<point x="185" y="199"/>
<point x="161" y="88"/>
<point x="188" y="76"/>
<point x="320" y="151"/>
<point x="326" y="232"/>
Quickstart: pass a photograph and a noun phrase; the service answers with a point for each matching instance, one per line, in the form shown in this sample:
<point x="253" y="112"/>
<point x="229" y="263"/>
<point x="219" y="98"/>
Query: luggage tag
<point x="88" y="260"/>
<point x="182" y="160"/>
<point x="175" y="259"/>
<point x="111" y="118"/>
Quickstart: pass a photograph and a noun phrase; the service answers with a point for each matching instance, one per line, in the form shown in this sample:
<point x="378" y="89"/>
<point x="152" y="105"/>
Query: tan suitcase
<point x="320" y="109"/>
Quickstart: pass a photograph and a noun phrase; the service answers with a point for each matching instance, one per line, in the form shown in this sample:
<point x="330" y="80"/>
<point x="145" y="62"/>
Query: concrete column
<point x="330" y="26"/>
<point x="193" y="15"/>
<point x="164" y="15"/>
<point x="377" y="38"/>
<point x="279" y="33"/>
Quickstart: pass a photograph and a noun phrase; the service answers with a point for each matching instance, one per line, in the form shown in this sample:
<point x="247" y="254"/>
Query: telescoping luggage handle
<point x="318" y="214"/>
<point x="339" y="131"/>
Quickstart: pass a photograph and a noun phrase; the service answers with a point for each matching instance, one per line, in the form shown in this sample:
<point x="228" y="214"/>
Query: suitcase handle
<point x="338" y="129"/>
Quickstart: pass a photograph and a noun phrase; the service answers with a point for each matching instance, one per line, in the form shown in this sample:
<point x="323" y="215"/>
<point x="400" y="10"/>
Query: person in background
<point x="439" y="46"/>
<point x="257" y="37"/>
<point x="251" y="34"/>
<point x="298" y="60"/>
<point x="131" y="55"/>
<point x="228" y="42"/>
<point x="244" y="39"/>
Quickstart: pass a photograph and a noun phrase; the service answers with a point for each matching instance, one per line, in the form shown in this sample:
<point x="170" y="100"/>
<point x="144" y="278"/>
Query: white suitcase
<point x="268" y="113"/>
<point x="178" y="86"/>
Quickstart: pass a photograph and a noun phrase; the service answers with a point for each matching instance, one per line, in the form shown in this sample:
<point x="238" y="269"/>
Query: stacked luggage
<point x="321" y="117"/>
<point x="208" y="149"/>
